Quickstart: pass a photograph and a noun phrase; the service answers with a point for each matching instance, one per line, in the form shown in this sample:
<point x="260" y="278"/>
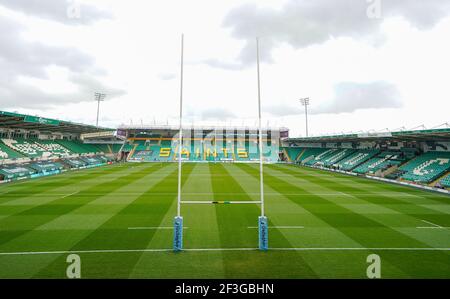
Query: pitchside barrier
<point x="263" y="231"/>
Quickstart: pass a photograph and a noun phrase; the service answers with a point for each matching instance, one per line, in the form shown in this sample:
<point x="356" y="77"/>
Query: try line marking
<point x="223" y="249"/>
<point x="433" y="225"/>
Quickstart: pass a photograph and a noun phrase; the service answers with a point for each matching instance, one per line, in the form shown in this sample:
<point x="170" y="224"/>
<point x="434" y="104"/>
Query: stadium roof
<point x="197" y="127"/>
<point x="412" y="135"/>
<point x="10" y="120"/>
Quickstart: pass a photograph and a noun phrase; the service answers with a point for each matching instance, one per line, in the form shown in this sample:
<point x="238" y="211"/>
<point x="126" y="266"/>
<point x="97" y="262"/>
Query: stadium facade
<point x="33" y="146"/>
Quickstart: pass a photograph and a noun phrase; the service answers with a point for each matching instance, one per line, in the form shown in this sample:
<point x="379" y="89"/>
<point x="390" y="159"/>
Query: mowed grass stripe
<point x="393" y="213"/>
<point x="145" y="210"/>
<point x="62" y="232"/>
<point x="22" y="204"/>
<point x="390" y="202"/>
<point x="233" y="221"/>
<point x="202" y="233"/>
<point x="369" y="233"/>
<point x="16" y="187"/>
<point x="315" y="234"/>
<point x="44" y="185"/>
<point x="368" y="184"/>
<point x="41" y="214"/>
<point x="28" y="204"/>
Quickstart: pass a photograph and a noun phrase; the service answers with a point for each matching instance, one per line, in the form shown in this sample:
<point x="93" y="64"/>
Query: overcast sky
<point x="365" y="64"/>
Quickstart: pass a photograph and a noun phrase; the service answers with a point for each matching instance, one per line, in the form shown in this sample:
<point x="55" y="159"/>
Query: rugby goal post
<point x="263" y="231"/>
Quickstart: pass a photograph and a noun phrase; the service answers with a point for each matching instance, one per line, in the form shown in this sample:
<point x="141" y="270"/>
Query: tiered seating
<point x="15" y="171"/>
<point x="382" y="161"/>
<point x="196" y="151"/>
<point x="46" y="166"/>
<point x="92" y="160"/>
<point x="320" y="157"/>
<point x="75" y="162"/>
<point x="115" y="148"/>
<point x="293" y="152"/>
<point x="36" y="148"/>
<point x="8" y="153"/>
<point x="427" y="167"/>
<point x="310" y="152"/>
<point x="356" y="158"/>
<point x="104" y="148"/>
<point x="53" y="147"/>
<point x="446" y="181"/>
<point x="77" y="147"/>
<point x="225" y="153"/>
<point x="337" y="156"/>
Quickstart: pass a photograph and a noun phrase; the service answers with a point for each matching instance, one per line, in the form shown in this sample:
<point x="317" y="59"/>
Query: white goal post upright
<point x="178" y="222"/>
<point x="263" y="231"/>
<point x="262" y="220"/>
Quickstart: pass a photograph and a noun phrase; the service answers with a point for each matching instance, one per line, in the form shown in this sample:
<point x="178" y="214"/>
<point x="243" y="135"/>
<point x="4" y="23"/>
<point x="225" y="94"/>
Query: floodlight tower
<point x="99" y="97"/>
<point x="305" y="102"/>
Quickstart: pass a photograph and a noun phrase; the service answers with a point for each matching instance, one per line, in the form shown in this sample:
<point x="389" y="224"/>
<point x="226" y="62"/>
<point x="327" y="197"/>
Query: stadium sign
<point x="375" y="135"/>
<point x="41" y="120"/>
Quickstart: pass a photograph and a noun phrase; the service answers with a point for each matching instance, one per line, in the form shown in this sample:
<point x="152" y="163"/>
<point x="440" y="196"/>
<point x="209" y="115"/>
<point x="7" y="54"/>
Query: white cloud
<point x="139" y="52"/>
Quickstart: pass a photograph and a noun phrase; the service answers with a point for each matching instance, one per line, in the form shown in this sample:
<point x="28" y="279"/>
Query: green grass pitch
<point x="118" y="219"/>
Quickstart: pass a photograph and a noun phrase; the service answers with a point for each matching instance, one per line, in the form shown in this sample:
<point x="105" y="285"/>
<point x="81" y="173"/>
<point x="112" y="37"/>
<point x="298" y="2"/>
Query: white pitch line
<point x="435" y="226"/>
<point x="153" y="227"/>
<point x="67" y="195"/>
<point x="221" y="249"/>
<point x="281" y="227"/>
<point x="432" y="224"/>
<point x="430" y="227"/>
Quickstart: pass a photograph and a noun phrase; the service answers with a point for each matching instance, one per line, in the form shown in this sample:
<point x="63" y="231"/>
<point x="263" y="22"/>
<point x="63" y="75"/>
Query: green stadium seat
<point x="446" y="181"/>
<point x="8" y="153"/>
<point x="383" y="161"/>
<point x="336" y="157"/>
<point x="322" y="154"/>
<point x="426" y="167"/>
<point x="356" y="159"/>
<point x="78" y="147"/>
<point x="293" y="152"/>
<point x="34" y="148"/>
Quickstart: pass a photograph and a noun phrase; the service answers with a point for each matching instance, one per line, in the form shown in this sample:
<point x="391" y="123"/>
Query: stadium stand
<point x="383" y="161"/>
<point x="309" y="153"/>
<point x="336" y="157"/>
<point x="293" y="153"/>
<point x="46" y="166"/>
<point x="15" y="171"/>
<point x="34" y="148"/>
<point x="108" y="148"/>
<point x="356" y="159"/>
<point x="77" y="147"/>
<point x="426" y="167"/>
<point x="445" y="182"/>
<point x="75" y="162"/>
<point x="7" y="153"/>
<point x="313" y="160"/>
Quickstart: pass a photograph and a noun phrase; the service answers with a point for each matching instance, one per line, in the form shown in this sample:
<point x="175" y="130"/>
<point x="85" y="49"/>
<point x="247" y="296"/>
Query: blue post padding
<point x="263" y="229"/>
<point x="178" y="233"/>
